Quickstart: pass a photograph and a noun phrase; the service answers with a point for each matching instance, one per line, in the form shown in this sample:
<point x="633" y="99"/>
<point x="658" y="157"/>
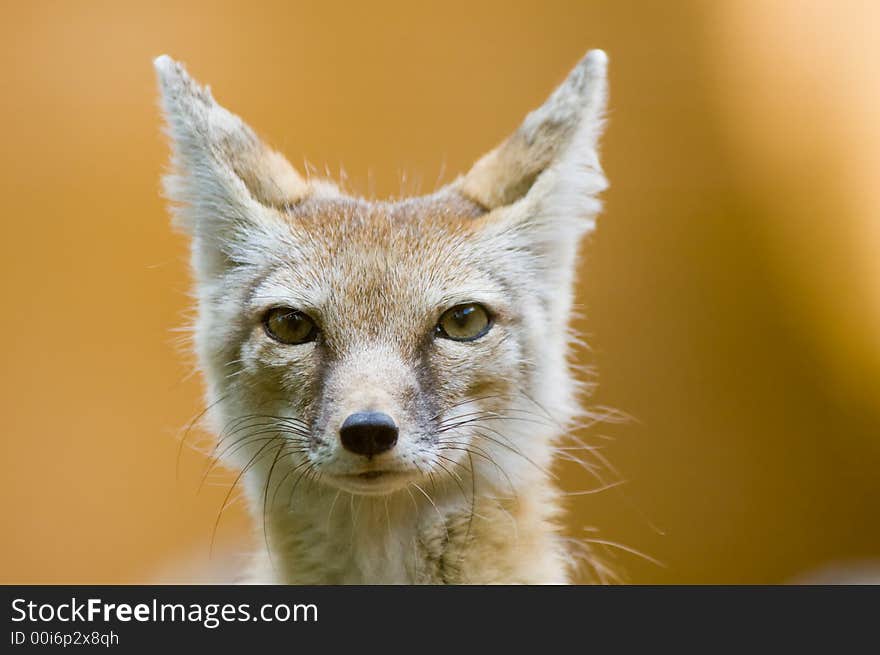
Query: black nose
<point x="368" y="433"/>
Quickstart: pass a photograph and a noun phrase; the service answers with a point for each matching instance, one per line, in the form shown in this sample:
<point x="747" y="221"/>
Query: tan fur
<point x="461" y="499"/>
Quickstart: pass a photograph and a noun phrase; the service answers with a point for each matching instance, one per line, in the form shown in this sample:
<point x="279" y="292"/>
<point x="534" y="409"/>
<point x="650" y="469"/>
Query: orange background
<point x="732" y="291"/>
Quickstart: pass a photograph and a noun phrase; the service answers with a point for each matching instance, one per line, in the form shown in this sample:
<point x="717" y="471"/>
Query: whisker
<point x="437" y="509"/>
<point x="229" y="493"/>
<point x="590" y="492"/>
<point x="626" y="549"/>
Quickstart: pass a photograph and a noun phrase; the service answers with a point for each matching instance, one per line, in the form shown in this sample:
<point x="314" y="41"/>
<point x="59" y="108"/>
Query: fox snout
<point x="370" y="403"/>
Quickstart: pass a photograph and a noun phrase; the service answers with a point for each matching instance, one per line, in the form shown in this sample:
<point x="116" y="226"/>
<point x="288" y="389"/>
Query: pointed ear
<point x="550" y="163"/>
<point x="223" y="177"/>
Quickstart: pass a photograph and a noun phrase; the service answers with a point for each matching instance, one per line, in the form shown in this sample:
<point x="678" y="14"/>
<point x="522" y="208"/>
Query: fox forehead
<point x="411" y="224"/>
<point x="380" y="263"/>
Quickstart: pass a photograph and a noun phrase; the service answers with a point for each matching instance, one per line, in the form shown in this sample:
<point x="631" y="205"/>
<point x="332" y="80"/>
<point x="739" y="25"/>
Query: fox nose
<point x="368" y="433"/>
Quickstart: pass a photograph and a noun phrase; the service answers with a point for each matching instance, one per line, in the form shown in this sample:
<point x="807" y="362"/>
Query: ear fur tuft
<point x="558" y="140"/>
<point x="219" y="164"/>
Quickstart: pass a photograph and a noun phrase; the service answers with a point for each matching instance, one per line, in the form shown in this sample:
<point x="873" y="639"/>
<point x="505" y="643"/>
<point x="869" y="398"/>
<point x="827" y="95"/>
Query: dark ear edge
<point x="217" y="160"/>
<point x="564" y="130"/>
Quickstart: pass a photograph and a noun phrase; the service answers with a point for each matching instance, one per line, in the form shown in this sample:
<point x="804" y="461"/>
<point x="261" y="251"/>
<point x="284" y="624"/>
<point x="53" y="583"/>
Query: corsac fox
<point x="391" y="377"/>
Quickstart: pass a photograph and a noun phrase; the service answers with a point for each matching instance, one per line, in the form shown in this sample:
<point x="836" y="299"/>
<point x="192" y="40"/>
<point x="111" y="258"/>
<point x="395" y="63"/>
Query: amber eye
<point x="464" y="322"/>
<point x="289" y="326"/>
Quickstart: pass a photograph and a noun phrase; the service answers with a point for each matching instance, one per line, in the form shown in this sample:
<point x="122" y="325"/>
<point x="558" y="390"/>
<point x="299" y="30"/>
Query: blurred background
<point x="731" y="293"/>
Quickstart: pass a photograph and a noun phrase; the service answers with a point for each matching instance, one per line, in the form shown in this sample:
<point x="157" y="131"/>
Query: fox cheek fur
<point x="474" y="416"/>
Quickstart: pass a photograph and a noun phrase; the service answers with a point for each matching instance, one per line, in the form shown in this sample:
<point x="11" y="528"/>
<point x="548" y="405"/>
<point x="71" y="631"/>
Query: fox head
<point x="370" y="345"/>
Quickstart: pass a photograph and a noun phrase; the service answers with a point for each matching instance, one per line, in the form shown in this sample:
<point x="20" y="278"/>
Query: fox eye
<point x="289" y="326"/>
<point x="464" y="322"/>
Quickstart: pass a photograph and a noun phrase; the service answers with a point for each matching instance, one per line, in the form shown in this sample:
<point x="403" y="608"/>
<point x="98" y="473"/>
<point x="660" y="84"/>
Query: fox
<point x="391" y="378"/>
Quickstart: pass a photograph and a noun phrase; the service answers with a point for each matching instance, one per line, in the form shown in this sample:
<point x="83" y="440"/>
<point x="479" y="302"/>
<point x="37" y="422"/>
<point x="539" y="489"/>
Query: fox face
<point x="370" y="346"/>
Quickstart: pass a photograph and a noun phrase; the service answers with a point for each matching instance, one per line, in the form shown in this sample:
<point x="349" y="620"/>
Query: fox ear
<point x="223" y="177"/>
<point x="550" y="163"/>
